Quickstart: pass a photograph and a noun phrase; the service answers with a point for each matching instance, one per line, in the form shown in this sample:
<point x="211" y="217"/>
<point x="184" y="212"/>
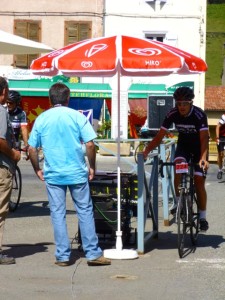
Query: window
<point x="155" y="36"/>
<point x="77" y="31"/>
<point x="29" y="30"/>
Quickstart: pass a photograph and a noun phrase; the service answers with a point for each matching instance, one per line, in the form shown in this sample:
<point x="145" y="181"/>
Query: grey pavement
<point x="157" y="274"/>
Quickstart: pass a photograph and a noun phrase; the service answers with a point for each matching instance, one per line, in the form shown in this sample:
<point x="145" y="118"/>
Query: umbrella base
<point x="120" y="254"/>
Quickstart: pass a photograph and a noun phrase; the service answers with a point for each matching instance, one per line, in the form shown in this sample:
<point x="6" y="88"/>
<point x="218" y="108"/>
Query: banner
<point x="88" y="114"/>
<point x="33" y="107"/>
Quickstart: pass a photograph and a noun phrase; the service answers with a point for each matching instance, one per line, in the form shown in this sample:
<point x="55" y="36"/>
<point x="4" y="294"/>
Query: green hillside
<point x="215" y="40"/>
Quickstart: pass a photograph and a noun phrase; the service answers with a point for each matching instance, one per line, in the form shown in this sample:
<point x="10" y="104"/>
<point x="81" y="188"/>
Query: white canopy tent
<point x="14" y="44"/>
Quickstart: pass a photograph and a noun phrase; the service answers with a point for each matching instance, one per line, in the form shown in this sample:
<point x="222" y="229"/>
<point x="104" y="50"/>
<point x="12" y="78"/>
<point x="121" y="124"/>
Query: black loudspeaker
<point x="158" y="107"/>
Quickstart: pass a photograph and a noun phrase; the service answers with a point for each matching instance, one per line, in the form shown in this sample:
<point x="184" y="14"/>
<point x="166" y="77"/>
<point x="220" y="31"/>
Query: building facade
<point x="179" y="23"/>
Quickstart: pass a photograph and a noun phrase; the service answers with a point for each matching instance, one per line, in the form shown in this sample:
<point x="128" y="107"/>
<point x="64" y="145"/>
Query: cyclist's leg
<point x="220" y="155"/>
<point x="199" y="180"/>
<point x="179" y="157"/>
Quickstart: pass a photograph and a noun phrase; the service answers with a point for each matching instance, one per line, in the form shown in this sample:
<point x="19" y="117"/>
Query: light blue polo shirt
<point x="60" y="132"/>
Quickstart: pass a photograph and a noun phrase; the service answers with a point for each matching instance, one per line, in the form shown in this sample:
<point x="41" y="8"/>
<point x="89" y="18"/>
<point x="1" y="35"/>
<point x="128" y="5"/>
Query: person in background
<point x="8" y="159"/>
<point x="17" y="117"/>
<point x="60" y="131"/>
<point x="193" y="138"/>
<point x="220" y="140"/>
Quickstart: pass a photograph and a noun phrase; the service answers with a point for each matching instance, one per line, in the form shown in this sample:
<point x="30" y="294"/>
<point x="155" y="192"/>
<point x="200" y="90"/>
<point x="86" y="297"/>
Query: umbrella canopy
<point x="102" y="57"/>
<point x="14" y="44"/>
<point x="121" y="55"/>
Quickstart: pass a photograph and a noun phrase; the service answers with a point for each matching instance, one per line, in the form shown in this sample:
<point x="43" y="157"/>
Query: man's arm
<point x="11" y="153"/>
<point x="33" y="155"/>
<point x="155" y="142"/>
<point x="91" y="155"/>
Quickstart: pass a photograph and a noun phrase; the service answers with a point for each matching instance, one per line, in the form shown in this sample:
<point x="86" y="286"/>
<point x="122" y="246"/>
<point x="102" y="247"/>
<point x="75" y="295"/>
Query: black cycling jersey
<point x="188" y="127"/>
<point x="17" y="118"/>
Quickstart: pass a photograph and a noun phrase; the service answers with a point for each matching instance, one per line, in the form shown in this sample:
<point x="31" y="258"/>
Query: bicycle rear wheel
<point x="16" y="190"/>
<point x="194" y="230"/>
<point x="139" y="148"/>
<point x="182" y="224"/>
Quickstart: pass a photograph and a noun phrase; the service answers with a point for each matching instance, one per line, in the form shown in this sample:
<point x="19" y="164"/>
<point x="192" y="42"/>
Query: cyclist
<point x="193" y="137"/>
<point x="17" y="117"/>
<point x="220" y="140"/>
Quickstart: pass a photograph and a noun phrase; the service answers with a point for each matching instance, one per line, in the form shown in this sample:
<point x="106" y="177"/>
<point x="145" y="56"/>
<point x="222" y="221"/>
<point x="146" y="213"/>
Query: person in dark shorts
<point x="220" y="140"/>
<point x="193" y="138"/>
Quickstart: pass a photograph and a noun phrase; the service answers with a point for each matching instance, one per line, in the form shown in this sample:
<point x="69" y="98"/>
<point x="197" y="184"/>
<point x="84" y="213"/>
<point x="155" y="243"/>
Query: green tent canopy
<point x="40" y="87"/>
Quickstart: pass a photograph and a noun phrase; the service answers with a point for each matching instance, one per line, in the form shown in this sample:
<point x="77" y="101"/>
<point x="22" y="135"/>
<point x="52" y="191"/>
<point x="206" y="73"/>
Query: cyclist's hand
<point x="145" y="154"/>
<point x="204" y="164"/>
<point x="40" y="175"/>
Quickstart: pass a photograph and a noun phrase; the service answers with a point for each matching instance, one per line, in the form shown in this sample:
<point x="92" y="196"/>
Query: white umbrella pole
<point x="119" y="244"/>
<point x="119" y="252"/>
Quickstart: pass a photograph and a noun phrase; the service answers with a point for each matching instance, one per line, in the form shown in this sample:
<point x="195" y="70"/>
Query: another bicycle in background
<point x="16" y="186"/>
<point x="149" y="134"/>
<point x="16" y="190"/>
<point x="187" y="213"/>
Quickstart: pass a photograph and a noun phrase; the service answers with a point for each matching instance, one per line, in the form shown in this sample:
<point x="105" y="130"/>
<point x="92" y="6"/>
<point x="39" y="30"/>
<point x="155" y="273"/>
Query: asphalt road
<point x="158" y="274"/>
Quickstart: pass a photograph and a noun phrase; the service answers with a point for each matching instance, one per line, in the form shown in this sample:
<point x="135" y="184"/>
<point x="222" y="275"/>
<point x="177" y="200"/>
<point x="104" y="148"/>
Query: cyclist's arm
<point x="155" y="142"/>
<point x="204" y="141"/>
<point x="218" y="133"/>
<point x="91" y="155"/>
<point x="24" y="132"/>
<point x="33" y="155"/>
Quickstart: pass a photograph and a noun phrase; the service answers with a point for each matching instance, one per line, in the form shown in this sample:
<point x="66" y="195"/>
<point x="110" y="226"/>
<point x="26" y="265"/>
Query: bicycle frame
<point x="187" y="213"/>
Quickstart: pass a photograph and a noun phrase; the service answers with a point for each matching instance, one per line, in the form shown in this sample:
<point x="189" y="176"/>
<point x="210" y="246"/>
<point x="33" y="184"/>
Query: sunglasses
<point x="9" y="102"/>
<point x="183" y="103"/>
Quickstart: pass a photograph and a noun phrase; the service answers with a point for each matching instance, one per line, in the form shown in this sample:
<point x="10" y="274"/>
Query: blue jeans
<point x="80" y="194"/>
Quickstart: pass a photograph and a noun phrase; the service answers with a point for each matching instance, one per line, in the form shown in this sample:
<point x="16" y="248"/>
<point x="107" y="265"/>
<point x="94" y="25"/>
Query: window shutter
<point x="28" y="30"/>
<point x="33" y="32"/>
<point x="77" y="31"/>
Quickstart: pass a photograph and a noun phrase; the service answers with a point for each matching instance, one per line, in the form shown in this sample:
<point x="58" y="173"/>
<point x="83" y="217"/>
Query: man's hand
<point x="16" y="155"/>
<point x="40" y="175"/>
<point x="91" y="174"/>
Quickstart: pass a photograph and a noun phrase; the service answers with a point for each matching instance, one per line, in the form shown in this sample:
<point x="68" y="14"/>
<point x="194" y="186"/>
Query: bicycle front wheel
<point x="182" y="224"/>
<point x="194" y="220"/>
<point x="139" y="148"/>
<point x="16" y="190"/>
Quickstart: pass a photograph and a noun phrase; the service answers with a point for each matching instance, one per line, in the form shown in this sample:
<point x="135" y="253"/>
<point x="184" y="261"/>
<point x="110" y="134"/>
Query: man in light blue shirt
<point x="60" y="132"/>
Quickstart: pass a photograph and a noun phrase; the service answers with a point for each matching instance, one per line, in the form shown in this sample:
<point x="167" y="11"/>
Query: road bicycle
<point x="16" y="187"/>
<point x="187" y="212"/>
<point x="16" y="190"/>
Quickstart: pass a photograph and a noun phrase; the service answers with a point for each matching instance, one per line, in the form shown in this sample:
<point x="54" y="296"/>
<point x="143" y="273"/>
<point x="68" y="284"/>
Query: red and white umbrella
<point x="103" y="56"/>
<point x="121" y="55"/>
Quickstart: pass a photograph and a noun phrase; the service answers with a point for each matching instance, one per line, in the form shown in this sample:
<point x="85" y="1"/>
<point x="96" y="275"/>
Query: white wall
<point x="183" y="22"/>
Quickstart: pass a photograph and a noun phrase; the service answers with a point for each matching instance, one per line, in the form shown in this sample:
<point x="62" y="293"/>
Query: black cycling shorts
<point x="221" y="145"/>
<point x="186" y="154"/>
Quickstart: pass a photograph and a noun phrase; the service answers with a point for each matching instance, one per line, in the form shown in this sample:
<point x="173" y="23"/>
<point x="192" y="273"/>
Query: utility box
<point x="157" y="108"/>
